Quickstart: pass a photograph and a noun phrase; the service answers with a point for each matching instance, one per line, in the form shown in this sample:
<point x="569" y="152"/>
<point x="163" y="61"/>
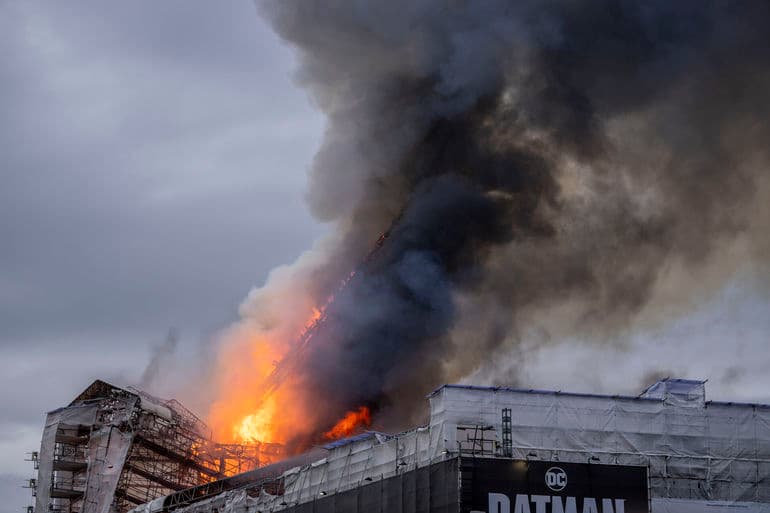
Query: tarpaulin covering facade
<point x="349" y="465"/>
<point x="53" y="484"/>
<point x="82" y="453"/>
<point x="112" y="449"/>
<point x="697" y="455"/>
<point x="429" y="489"/>
<point x="696" y="451"/>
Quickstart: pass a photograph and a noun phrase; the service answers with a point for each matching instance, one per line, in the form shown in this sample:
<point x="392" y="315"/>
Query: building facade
<point x="112" y="449"/>
<point x="506" y="450"/>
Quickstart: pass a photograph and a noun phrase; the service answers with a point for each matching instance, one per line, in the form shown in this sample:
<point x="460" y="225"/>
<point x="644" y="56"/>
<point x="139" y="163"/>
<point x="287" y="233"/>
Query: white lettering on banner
<point x="589" y="505"/>
<point x="522" y="504"/>
<point x="559" y="507"/>
<point x="540" y="502"/>
<point x="500" y="503"/>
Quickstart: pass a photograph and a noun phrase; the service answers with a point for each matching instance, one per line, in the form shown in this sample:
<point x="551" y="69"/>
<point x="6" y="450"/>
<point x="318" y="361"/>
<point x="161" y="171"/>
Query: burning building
<point x="112" y="448"/>
<point x="502" y="450"/>
<point x="544" y="172"/>
<point x="527" y="166"/>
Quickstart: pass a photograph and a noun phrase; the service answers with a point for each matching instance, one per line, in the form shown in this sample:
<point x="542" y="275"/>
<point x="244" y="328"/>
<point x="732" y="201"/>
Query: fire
<point x="350" y="423"/>
<point x="236" y="416"/>
<point x="314" y="317"/>
<point x="248" y="409"/>
<point x="257" y="427"/>
<point x="258" y="395"/>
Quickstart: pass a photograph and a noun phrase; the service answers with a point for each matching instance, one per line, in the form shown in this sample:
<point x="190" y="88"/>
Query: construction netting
<point x="366" y="461"/>
<point x="429" y="489"/>
<point x="48" y="481"/>
<point x="695" y="450"/>
<point x="82" y="475"/>
<point x="698" y="455"/>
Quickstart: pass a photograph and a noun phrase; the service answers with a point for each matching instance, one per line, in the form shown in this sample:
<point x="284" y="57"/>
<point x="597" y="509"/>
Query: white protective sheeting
<point x="701" y="456"/>
<point x="72" y="416"/>
<point x="348" y="464"/>
<point x="689" y="506"/>
<point x="695" y="450"/>
<point x="107" y="449"/>
<point x="105" y="454"/>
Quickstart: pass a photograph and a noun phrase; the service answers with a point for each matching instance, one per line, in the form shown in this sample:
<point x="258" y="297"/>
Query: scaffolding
<point x="472" y="440"/>
<point x="31" y="484"/>
<point x="507" y="433"/>
<point x="679" y="452"/>
<point x="117" y="448"/>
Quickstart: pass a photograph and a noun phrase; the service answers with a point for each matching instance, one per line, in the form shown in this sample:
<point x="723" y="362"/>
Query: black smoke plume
<point x="534" y="155"/>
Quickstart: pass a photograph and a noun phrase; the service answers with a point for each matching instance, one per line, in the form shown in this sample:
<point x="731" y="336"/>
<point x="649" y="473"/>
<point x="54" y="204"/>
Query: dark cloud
<point x="153" y="154"/>
<point x="525" y="157"/>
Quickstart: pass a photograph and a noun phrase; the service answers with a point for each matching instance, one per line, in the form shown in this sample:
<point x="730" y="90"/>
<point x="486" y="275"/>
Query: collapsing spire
<point x="543" y="157"/>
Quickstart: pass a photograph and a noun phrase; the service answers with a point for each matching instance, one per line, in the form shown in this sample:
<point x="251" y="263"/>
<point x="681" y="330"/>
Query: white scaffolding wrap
<point x="103" y="455"/>
<point x="694" y="449"/>
<point x="73" y="416"/>
<point x="366" y="459"/>
<point x="700" y="456"/>
<point x="113" y="448"/>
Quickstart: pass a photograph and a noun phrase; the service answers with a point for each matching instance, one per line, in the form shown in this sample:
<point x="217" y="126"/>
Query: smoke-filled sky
<point x="154" y="169"/>
<point x="584" y="170"/>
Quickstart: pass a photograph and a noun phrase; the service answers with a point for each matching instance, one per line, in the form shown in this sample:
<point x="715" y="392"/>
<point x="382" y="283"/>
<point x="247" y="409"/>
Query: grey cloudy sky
<point x="154" y="157"/>
<point x="154" y="160"/>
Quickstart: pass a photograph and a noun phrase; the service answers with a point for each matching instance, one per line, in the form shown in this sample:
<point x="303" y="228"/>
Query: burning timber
<point x="112" y="449"/>
<point x="301" y="346"/>
<point x="505" y="450"/>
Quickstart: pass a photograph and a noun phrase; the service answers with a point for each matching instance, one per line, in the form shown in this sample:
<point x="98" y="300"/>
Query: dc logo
<point x="555" y="479"/>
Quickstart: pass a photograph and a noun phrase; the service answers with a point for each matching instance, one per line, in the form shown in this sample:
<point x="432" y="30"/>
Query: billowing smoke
<point x="531" y="160"/>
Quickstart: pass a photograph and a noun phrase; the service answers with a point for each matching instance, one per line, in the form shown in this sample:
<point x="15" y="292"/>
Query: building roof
<point x="536" y="391"/>
<point x="644" y="396"/>
<point x="356" y="438"/>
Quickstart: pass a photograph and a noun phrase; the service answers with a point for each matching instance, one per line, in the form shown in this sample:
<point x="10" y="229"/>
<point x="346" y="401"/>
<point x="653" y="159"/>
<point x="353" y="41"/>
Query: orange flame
<point x="249" y="405"/>
<point x="246" y="362"/>
<point x="350" y="423"/>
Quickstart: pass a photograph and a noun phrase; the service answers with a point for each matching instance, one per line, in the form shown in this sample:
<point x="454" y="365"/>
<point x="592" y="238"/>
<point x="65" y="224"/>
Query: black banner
<point x="517" y="486"/>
